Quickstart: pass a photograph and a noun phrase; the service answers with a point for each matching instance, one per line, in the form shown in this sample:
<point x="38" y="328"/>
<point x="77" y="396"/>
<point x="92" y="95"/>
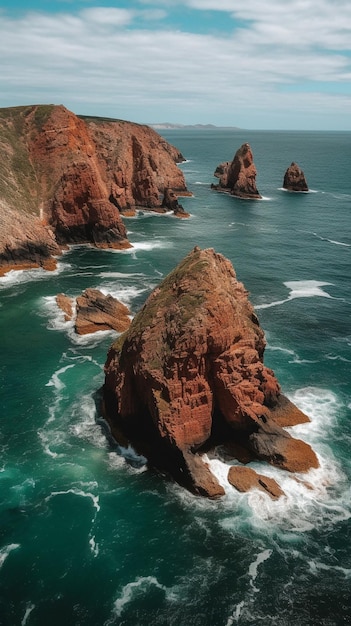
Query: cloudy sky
<point x="256" y="64"/>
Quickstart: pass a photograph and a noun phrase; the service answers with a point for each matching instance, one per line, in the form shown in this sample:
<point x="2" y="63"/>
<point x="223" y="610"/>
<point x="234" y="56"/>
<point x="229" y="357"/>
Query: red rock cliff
<point x="238" y="177"/>
<point x="189" y="374"/>
<point x="69" y="179"/>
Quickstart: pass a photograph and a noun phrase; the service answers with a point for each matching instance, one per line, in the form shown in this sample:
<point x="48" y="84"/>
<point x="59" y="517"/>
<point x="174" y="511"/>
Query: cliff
<point x="189" y="375"/>
<point x="238" y="177"/>
<point x="67" y="180"/>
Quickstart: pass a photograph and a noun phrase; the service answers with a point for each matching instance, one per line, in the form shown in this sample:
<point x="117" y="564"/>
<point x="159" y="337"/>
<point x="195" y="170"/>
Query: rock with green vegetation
<point x="66" y="180"/>
<point x="189" y="375"/>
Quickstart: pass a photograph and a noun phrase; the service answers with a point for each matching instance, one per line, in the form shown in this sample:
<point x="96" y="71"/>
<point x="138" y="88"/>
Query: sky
<point x="255" y="64"/>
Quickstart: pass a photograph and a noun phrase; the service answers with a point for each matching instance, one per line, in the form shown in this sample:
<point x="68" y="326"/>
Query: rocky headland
<point x="67" y="180"/>
<point x="238" y="177"/>
<point x="294" y="179"/>
<point x="188" y="376"/>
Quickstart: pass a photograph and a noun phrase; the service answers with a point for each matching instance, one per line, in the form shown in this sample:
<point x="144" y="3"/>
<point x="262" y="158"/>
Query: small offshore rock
<point x="238" y="177"/>
<point x="294" y="179"/>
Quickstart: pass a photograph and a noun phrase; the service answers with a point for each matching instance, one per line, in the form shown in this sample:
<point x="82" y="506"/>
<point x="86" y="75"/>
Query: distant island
<point x="170" y="126"/>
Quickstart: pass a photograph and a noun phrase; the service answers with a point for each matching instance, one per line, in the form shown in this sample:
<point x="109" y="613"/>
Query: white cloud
<point x="107" y="16"/>
<point x="99" y="61"/>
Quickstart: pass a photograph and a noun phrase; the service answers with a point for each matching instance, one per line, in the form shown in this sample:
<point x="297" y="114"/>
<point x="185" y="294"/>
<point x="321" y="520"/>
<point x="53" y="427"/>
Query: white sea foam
<point x="322" y="407"/>
<point x="316" y="498"/>
<point x="17" y="277"/>
<point x="294" y="356"/>
<point x="333" y="241"/>
<point x="94" y="547"/>
<point x="49" y="439"/>
<point x="56" y="315"/>
<point x="132" y="590"/>
<point x="29" y="608"/>
<point x="151" y="245"/>
<point x="90" y="339"/>
<point x="300" y="289"/>
<point x="296" y="192"/>
<point x="125" y="294"/>
<point x="6" y="550"/>
<point x="73" y="355"/>
<point x="55" y="380"/>
<point x="337" y="357"/>
<point x="307" y="289"/>
<point x="121" y="275"/>
<point x="126" y="458"/>
<point x="317" y="566"/>
<point x="79" y="493"/>
<point x="253" y="568"/>
<point x="235" y="616"/>
<point x="132" y="457"/>
<point x="84" y="425"/>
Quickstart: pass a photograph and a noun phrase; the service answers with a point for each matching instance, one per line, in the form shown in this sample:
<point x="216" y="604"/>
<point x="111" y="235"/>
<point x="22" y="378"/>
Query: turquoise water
<point x="88" y="535"/>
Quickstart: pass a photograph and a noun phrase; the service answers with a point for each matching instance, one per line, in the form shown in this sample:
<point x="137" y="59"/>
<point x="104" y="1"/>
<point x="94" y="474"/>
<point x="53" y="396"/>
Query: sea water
<point x="89" y="536"/>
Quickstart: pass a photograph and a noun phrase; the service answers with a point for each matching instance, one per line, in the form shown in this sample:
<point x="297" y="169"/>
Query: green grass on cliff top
<point x="19" y="188"/>
<point x="168" y="295"/>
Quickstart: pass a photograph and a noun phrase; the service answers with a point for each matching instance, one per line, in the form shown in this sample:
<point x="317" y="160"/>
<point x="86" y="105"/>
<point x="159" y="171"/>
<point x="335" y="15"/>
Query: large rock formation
<point x="189" y="375"/>
<point x="294" y="179"/>
<point x="238" y="177"/>
<point x="94" y="311"/>
<point x="66" y="180"/>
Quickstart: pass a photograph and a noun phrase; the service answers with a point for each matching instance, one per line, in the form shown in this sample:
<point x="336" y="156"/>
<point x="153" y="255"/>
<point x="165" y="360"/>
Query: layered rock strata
<point x="67" y="180"/>
<point x="238" y="177"/>
<point x="294" y="179"/>
<point x="94" y="311"/>
<point x="189" y="375"/>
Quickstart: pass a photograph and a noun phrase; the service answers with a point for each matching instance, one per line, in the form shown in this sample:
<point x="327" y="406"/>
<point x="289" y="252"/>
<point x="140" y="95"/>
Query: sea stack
<point x="188" y="375"/>
<point x="294" y="179"/>
<point x="238" y="177"/>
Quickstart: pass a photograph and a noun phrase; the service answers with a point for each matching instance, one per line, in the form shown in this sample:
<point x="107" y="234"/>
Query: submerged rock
<point x="238" y="177"/>
<point x="294" y="179"/>
<point x="188" y="375"/>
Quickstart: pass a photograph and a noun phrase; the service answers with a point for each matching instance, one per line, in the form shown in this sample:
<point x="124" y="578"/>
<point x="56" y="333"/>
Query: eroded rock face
<point x="189" y="375"/>
<point x="294" y="179"/>
<point x="94" y="311"/>
<point x="238" y="177"/>
<point x="170" y="203"/>
<point x="69" y="179"/>
<point x="66" y="304"/>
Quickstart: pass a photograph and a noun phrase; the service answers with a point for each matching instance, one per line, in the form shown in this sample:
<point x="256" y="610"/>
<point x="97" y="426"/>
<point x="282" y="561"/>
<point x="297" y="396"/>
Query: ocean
<point x="89" y="536"/>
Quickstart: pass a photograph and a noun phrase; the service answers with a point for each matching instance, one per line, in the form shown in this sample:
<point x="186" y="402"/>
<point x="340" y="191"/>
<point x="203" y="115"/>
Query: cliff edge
<point x="67" y="180"/>
<point x="189" y="375"/>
